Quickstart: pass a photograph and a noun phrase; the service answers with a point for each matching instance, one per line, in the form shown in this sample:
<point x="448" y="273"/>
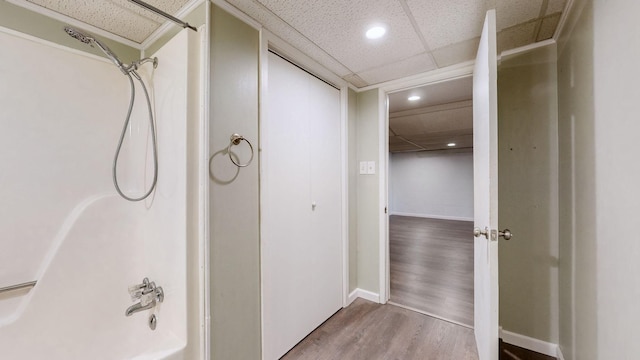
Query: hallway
<point x="432" y="266"/>
<point x="367" y="330"/>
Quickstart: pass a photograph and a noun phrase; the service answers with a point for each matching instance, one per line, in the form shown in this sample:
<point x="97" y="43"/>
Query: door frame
<point x="433" y="77"/>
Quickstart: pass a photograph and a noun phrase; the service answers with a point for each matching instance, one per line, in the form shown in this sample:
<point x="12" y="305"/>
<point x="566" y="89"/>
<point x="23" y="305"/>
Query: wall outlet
<point x="371" y="167"/>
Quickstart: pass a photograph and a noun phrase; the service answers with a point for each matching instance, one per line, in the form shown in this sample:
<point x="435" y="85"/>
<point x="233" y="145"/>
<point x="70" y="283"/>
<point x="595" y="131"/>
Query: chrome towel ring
<point x="236" y="139"/>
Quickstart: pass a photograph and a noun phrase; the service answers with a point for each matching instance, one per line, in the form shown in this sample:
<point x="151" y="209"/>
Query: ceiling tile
<point x="125" y="19"/>
<point x="405" y="126"/>
<point x="446" y="22"/>
<point x="516" y="36"/>
<point x="399" y="69"/>
<point x="355" y="80"/>
<point x="435" y="121"/>
<point x="461" y="141"/>
<point x="442" y="95"/>
<point x="338" y="27"/>
<point x="280" y="28"/>
<point x="442" y="137"/>
<point x="398" y="144"/>
<point x="555" y="6"/>
<point x="439" y="141"/>
<point x="456" y="53"/>
<point x="548" y="27"/>
<point x="513" y="12"/>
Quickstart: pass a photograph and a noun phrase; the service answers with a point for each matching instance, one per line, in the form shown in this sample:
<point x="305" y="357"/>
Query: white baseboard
<point x="559" y="354"/>
<point x="440" y="217"/>
<point x="529" y="343"/>
<point x="364" y="294"/>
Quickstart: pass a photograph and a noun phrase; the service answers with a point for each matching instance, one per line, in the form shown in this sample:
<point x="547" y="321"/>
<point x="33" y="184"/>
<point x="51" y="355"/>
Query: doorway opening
<point x="430" y="200"/>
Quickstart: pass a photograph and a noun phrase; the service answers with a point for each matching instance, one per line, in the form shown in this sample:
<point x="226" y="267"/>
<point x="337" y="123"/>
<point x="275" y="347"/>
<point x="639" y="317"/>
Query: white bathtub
<point x="61" y="222"/>
<point x="76" y="311"/>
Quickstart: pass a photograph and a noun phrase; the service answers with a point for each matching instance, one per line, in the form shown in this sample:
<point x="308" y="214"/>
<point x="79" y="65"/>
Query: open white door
<point x="485" y="173"/>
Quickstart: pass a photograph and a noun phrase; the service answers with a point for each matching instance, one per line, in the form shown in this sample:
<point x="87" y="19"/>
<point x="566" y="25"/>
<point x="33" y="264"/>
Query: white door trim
<point x="434" y="77"/>
<point x="344" y="136"/>
<point x="204" y="206"/>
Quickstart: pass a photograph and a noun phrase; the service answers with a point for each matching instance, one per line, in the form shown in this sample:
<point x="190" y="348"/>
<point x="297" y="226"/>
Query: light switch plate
<point x="371" y="167"/>
<point x="363" y="167"/>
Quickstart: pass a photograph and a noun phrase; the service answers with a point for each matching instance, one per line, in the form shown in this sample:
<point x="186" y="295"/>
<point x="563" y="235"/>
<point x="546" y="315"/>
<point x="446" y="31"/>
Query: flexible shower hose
<point x="124" y="132"/>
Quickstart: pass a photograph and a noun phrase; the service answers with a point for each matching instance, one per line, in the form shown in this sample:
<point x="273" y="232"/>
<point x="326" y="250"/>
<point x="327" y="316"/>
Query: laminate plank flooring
<point x="512" y="352"/>
<point x="370" y="331"/>
<point x="432" y="266"/>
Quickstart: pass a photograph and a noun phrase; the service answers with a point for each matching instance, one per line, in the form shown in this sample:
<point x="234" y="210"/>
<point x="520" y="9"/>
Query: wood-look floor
<point x="512" y="352"/>
<point x="369" y="331"/>
<point x="432" y="266"/>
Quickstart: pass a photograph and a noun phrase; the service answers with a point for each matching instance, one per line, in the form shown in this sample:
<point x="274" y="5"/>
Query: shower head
<point x="90" y="40"/>
<point x="78" y="35"/>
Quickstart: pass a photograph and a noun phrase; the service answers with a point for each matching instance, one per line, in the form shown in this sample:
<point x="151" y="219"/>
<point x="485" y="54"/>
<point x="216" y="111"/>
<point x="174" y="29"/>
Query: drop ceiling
<point x="443" y="115"/>
<point x="423" y="35"/>
<point x="119" y="17"/>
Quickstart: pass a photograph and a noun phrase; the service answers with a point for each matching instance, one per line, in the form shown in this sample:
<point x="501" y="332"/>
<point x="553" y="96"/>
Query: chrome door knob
<point x="506" y="234"/>
<point x="477" y="232"/>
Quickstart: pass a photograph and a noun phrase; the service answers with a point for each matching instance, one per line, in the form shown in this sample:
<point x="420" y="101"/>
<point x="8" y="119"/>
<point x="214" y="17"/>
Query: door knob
<point x="506" y="234"/>
<point x="477" y="232"/>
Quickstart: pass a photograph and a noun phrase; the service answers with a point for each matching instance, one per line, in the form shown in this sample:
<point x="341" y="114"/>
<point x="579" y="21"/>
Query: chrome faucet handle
<point x="154" y="294"/>
<point x="136" y="291"/>
<point x="145" y="296"/>
<point x="149" y="288"/>
<point x="147" y="299"/>
<point x="159" y="294"/>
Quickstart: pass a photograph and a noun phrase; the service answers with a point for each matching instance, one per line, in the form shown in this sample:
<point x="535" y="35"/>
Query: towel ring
<point x="235" y="140"/>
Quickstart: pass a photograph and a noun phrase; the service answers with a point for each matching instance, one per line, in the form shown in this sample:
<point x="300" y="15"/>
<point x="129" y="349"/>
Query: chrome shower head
<point x="90" y="40"/>
<point x="78" y="35"/>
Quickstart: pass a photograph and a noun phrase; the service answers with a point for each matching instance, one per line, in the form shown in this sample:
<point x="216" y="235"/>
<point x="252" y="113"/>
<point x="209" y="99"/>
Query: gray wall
<point x="616" y="53"/>
<point x="194" y="193"/>
<point x="432" y="184"/>
<point x="368" y="207"/>
<point x="528" y="193"/>
<point x="234" y="196"/>
<point x="28" y="22"/>
<point x="352" y="118"/>
<point x="577" y="188"/>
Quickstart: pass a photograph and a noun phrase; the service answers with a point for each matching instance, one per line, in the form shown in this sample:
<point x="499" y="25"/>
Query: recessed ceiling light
<point x="414" y="98"/>
<point x="376" y="32"/>
<point x="451" y="144"/>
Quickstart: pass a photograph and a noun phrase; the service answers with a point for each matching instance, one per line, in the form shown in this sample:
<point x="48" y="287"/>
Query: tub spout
<point x="147" y="293"/>
<point x="138" y="307"/>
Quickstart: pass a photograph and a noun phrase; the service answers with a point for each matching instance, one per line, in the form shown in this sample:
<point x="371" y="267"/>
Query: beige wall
<point x="234" y="197"/>
<point x="368" y="207"/>
<point x="528" y="192"/>
<point x="193" y="193"/>
<point x="28" y="22"/>
<point x="352" y="118"/>
<point x="577" y="170"/>
<point x="616" y="81"/>
<point x="195" y="18"/>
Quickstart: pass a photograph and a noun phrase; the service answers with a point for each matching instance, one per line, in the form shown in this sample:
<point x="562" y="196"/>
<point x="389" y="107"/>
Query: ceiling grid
<point x="422" y="35"/>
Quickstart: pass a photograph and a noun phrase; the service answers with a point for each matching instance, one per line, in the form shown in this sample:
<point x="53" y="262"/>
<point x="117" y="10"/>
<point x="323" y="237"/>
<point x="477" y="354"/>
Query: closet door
<point x="300" y="209"/>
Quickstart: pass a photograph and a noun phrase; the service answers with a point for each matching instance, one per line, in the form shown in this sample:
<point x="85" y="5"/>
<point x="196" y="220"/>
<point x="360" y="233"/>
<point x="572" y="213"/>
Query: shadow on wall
<point x="528" y="193"/>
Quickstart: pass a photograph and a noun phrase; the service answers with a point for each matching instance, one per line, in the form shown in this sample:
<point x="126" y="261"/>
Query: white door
<point x="485" y="172"/>
<point x="301" y="206"/>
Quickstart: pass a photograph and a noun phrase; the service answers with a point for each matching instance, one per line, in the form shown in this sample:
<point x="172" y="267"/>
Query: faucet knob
<point x="147" y="299"/>
<point x="159" y="294"/>
<point x="136" y="291"/>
